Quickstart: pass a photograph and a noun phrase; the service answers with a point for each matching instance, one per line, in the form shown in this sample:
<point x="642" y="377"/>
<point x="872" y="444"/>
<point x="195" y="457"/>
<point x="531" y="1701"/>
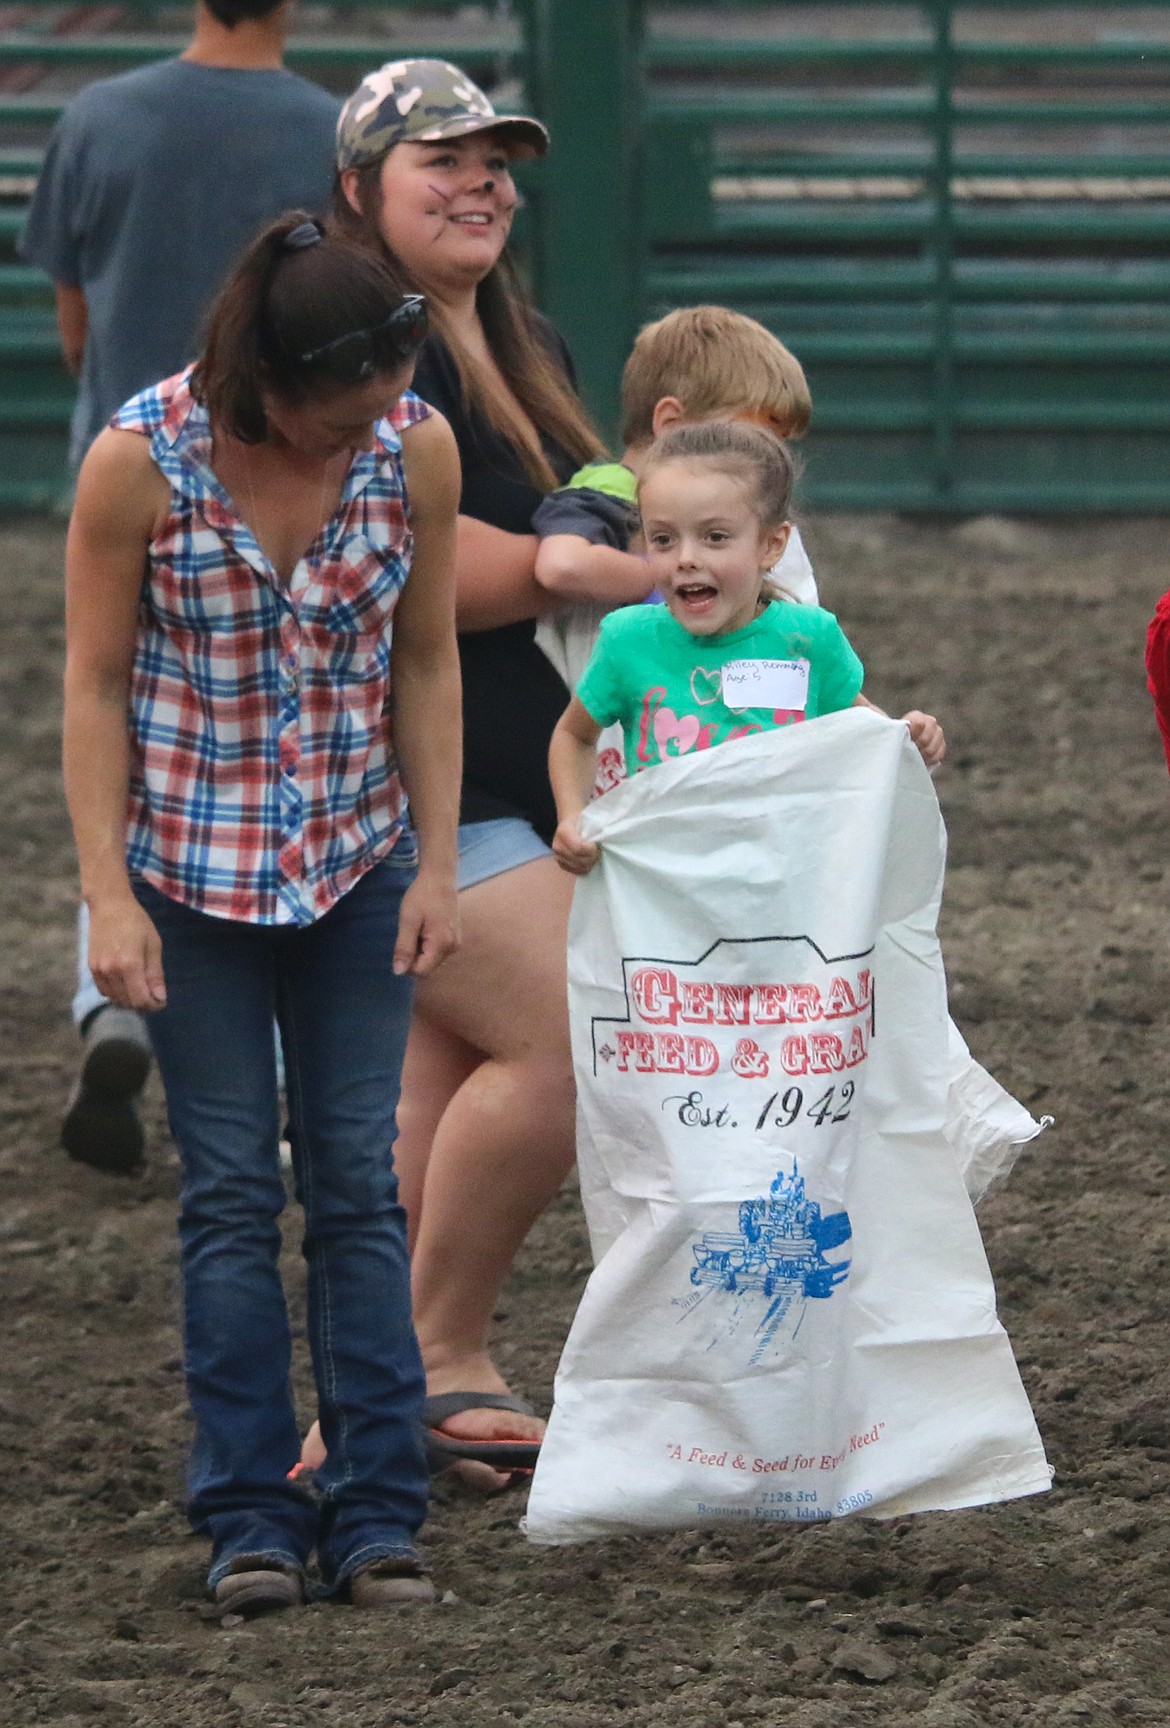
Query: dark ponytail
<point x="299" y="287"/>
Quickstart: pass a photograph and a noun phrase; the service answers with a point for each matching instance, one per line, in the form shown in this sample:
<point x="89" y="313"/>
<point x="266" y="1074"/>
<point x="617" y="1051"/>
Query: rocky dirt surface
<point x="1027" y="639"/>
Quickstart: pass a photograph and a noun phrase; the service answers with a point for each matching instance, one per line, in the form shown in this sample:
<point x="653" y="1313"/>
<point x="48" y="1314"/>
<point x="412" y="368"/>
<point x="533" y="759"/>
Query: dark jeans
<point x="343" y="1019"/>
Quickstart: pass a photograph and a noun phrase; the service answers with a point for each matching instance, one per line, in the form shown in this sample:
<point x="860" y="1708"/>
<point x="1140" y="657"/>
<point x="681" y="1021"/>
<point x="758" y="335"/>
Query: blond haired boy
<point x="709" y="363"/>
<point x="697" y="363"/>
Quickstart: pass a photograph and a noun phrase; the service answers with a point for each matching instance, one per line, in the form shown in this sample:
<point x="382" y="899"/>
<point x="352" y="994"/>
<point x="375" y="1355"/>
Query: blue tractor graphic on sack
<point x="780" y="1246"/>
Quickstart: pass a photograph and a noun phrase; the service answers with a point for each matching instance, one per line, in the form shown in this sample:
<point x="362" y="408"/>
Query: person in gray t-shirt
<point x="153" y="183"/>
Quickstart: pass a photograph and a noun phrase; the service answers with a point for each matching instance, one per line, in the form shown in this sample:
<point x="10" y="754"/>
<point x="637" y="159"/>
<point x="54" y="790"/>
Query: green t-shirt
<point x="673" y="692"/>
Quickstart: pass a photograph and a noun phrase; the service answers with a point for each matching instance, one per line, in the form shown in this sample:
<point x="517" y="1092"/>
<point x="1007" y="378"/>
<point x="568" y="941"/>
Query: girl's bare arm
<point x="924" y="730"/>
<point x="572" y="764"/>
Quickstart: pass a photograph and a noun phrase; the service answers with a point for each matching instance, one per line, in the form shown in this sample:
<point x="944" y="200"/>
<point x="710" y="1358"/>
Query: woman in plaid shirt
<point x="261" y="665"/>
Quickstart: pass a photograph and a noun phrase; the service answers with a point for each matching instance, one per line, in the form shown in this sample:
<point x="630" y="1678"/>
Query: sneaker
<point x="390" y="1583"/>
<point x="103" y="1120"/>
<point x="256" y="1585"/>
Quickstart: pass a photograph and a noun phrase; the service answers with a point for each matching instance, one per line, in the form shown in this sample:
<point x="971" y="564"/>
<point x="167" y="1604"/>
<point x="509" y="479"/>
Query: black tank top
<point x="512" y="698"/>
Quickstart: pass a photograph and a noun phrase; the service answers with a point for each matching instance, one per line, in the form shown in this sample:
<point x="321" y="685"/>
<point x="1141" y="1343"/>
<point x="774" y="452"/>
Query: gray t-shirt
<point x="153" y="183"/>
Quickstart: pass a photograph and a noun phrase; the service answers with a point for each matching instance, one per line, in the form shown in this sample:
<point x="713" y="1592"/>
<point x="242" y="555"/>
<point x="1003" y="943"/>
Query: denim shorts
<point x="489" y="848"/>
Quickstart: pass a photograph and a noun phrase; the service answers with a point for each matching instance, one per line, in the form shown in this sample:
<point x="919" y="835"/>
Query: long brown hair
<point x="517" y="345"/>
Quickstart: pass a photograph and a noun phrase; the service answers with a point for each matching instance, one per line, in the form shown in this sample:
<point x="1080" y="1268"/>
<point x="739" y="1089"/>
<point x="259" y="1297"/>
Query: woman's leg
<point x="437" y="1064"/>
<point x="344" y="1017"/>
<point x="215" y="1052"/>
<point x="505" y="1140"/>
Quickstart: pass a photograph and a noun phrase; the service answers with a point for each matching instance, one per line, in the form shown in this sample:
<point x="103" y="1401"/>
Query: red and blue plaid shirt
<point x="263" y="783"/>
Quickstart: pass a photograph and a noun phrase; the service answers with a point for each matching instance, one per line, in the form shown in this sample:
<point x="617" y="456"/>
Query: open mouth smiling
<point x="696" y="596"/>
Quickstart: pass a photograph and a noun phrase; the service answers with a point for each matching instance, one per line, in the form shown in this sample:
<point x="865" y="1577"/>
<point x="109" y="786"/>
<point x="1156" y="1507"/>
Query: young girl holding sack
<point x="790" y="1316"/>
<point x="727" y="655"/>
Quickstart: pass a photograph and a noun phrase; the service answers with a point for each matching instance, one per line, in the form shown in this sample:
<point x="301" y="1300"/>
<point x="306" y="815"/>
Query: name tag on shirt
<point x="766" y="684"/>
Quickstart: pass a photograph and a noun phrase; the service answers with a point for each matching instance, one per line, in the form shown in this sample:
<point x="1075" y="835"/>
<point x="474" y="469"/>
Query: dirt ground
<point x="1027" y="639"/>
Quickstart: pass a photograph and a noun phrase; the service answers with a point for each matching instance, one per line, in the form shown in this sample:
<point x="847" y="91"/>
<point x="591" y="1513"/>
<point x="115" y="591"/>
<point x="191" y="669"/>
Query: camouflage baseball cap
<point x="418" y="102"/>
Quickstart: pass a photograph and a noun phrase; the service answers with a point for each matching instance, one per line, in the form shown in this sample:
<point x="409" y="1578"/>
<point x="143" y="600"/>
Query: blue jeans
<point x="343" y="1017"/>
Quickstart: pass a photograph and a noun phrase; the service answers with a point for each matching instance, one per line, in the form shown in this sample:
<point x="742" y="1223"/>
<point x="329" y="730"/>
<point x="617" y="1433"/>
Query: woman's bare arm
<point x="426" y="696"/>
<point x="496" y="577"/>
<point x="498" y="582"/>
<point x="121" y="499"/>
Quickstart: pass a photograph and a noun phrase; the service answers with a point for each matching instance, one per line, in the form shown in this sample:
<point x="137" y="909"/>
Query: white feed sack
<point x="791" y="1315"/>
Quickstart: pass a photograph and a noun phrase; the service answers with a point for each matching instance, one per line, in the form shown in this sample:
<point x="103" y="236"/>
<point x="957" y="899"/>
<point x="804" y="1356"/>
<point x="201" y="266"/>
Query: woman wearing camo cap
<point x="487" y="1112"/>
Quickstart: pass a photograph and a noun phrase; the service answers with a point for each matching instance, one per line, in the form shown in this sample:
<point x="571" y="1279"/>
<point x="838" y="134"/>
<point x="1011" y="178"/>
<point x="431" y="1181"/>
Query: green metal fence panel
<point x="958" y="218"/>
<point x="354" y="55"/>
<point x="583" y="71"/>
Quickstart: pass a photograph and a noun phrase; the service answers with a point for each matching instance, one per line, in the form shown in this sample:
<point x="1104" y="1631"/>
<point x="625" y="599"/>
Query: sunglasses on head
<point x="353" y="358"/>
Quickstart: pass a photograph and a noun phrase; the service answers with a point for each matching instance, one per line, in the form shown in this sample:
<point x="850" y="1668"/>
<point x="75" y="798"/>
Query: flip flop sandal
<point x="443" y="1450"/>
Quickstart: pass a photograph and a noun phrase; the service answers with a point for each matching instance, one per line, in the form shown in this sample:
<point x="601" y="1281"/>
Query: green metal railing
<point x="963" y="232"/>
<point x="352" y="55"/>
<point x="958" y="218"/>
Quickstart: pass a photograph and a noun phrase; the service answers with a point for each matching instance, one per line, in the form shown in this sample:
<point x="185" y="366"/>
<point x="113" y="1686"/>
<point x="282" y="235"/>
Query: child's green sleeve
<point x="601" y="685"/>
<point x="842" y="674"/>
